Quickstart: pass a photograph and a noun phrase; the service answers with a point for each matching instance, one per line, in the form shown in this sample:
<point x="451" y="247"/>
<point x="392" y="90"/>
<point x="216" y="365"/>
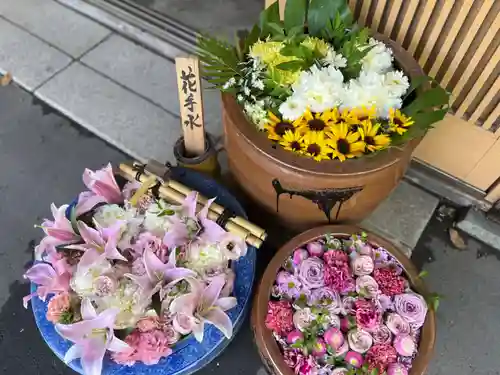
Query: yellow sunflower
<point x="316" y="146"/>
<point x="276" y="127"/>
<point x="361" y="114"/>
<point x="292" y="141"/>
<point x="398" y="122"/>
<point x="345" y="143"/>
<point x="371" y="137"/>
<point x="314" y="122"/>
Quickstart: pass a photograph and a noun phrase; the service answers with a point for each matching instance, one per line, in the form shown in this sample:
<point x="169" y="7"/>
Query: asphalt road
<point x="42" y="156"/>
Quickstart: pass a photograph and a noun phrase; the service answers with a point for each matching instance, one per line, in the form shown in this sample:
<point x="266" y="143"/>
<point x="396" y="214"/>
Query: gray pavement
<point x="42" y="155"/>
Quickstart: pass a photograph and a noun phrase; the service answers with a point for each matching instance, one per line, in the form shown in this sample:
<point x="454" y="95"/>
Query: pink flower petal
<point x="116" y="345"/>
<point x="219" y="318"/>
<point x="212" y="292"/>
<point x="73" y="353"/>
<point x="177" y="274"/>
<point x="89" y="257"/>
<point x="88" y="310"/>
<point x="226" y="303"/>
<point x="90" y="235"/>
<point x="87" y="201"/>
<point x="190" y="204"/>
<point x="92" y="356"/>
<point x="41" y="274"/>
<point x="185" y="304"/>
<point x="198" y="331"/>
<point x="153" y="265"/>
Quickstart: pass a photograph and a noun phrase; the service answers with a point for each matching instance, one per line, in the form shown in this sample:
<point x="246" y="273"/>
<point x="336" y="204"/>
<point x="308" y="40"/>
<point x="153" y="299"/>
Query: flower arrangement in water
<point x="319" y="85"/>
<point x="342" y="307"/>
<point x="120" y="263"/>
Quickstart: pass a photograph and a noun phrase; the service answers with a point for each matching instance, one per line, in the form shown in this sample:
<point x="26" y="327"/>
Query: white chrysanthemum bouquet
<point x="319" y="85"/>
<point x="121" y="265"/>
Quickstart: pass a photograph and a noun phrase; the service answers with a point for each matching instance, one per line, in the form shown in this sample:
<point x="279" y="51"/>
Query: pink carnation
<point x="57" y="306"/>
<point x="339" y="278"/>
<point x="280" y="317"/>
<point x="149" y="323"/>
<point x="147" y="347"/>
<point x="380" y="357"/>
<point x="367" y="315"/>
<point x="389" y="282"/>
<point x="335" y="258"/>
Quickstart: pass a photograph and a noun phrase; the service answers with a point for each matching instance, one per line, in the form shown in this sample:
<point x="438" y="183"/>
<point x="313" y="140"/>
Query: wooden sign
<point x="191" y="104"/>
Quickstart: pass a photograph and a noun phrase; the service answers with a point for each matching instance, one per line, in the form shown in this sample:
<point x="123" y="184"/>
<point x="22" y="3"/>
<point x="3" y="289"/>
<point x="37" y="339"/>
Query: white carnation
<point x="378" y="59"/>
<point x="396" y="83"/>
<point x="205" y="256"/>
<point x="292" y="108"/>
<point x="109" y="214"/>
<point x="83" y="279"/>
<point x="129" y="298"/>
<point x="158" y="225"/>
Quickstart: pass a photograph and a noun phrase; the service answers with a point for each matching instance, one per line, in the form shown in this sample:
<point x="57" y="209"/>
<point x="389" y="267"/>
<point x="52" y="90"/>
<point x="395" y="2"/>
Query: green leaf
<point x="415" y="84"/>
<point x="251" y="39"/>
<point x="433" y="300"/>
<point x="321" y="12"/>
<point x="276" y="29"/>
<point x="267" y="16"/>
<point x="72" y="219"/>
<point x="295" y="13"/>
<point x="423" y="274"/>
<point x="167" y="212"/>
<point x="434" y="97"/>
<point x="292" y="66"/>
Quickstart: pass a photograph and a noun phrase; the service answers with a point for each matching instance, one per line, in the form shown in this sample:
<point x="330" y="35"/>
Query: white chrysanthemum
<point x="396" y="83"/>
<point x="129" y="298"/>
<point x="83" y="280"/>
<point x="109" y="214"/>
<point x="318" y="89"/>
<point x="258" y="84"/>
<point x="335" y="59"/>
<point x="293" y="107"/>
<point x="378" y="59"/>
<point x="204" y="256"/>
<point x="257" y="114"/>
<point x="230" y="83"/>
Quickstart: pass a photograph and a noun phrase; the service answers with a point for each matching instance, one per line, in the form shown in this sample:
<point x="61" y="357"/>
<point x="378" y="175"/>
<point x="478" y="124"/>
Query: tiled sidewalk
<point x="127" y="94"/>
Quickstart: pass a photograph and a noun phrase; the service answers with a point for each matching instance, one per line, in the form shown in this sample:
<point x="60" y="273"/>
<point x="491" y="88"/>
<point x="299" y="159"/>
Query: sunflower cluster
<point x="335" y="134"/>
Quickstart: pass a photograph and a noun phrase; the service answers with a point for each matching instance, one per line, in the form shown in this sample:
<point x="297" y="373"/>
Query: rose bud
<point x="354" y="359"/>
<point x="345" y="325"/>
<point x="315" y="249"/>
<point x="397" y="369"/>
<point x="334" y="338"/>
<point x="319" y="348"/>
<point x="404" y="345"/>
<point x="342" y="350"/>
<point x="294" y="336"/>
<point x="299" y="255"/>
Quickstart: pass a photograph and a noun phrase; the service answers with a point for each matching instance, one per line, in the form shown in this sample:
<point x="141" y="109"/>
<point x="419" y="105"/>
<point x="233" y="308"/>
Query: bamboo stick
<point x="170" y="191"/>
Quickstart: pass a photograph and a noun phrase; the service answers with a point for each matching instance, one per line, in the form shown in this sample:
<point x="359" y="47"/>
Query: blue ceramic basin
<point x="188" y="355"/>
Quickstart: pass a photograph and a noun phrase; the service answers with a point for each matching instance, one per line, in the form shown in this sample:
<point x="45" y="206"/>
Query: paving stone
<point x="27" y="58"/>
<point x="117" y="115"/>
<point x="476" y="224"/>
<point x="150" y="75"/>
<point x="402" y="217"/>
<point x="56" y="24"/>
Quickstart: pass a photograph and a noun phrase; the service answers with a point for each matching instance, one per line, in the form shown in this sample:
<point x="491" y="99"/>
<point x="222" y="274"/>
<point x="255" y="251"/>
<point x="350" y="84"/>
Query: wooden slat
<point x="467" y="41"/>
<point x="478" y="57"/>
<point x="493" y="195"/>
<point x="436" y="31"/>
<point x="450" y="38"/>
<point x="377" y="16"/>
<point x="352" y="5"/>
<point x="408" y="17"/>
<point x="364" y="12"/>
<point x="393" y="15"/>
<point x="494" y="115"/>
<point x="483" y="77"/>
<point x="487" y="99"/>
<point x="422" y="24"/>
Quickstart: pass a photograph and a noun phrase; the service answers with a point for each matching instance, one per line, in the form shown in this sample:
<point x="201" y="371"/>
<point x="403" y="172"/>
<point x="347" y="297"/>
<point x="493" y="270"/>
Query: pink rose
<point x="348" y="305"/>
<point x="367" y="287"/>
<point x="359" y="340"/>
<point x="302" y="318"/>
<point x="405" y="345"/>
<point x="412" y="308"/>
<point x="315" y="249"/>
<point x="381" y="335"/>
<point x="362" y="265"/>
<point x="397" y="325"/>
<point x="299" y="256"/>
<point x="311" y="273"/>
<point x="397" y="369"/>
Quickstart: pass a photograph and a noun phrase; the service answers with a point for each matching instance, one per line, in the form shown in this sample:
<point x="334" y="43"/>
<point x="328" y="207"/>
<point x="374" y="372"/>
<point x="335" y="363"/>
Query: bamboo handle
<point x="170" y="192"/>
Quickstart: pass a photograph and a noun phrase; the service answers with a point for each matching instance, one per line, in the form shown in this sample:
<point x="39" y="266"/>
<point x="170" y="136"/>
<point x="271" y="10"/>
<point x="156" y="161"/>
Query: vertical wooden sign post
<point x="191" y="104"/>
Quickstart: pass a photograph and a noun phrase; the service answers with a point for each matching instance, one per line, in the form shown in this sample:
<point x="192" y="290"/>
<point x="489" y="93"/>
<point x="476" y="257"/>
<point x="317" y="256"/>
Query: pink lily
<point x="102" y="182"/>
<point x="98" y="241"/>
<point x="203" y="305"/>
<point x="92" y="337"/>
<point x="159" y="273"/>
<point x="87" y="201"/>
<point x="192" y="225"/>
<point x="48" y="281"/>
<point x="59" y="231"/>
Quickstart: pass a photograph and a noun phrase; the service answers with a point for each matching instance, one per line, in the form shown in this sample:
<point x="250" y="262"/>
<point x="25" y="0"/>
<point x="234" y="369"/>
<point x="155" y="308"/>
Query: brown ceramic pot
<point x="320" y="192"/>
<point x="266" y="344"/>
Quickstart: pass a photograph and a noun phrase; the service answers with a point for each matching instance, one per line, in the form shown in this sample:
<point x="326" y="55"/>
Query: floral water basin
<point x="187" y="355"/>
<point x="335" y="300"/>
